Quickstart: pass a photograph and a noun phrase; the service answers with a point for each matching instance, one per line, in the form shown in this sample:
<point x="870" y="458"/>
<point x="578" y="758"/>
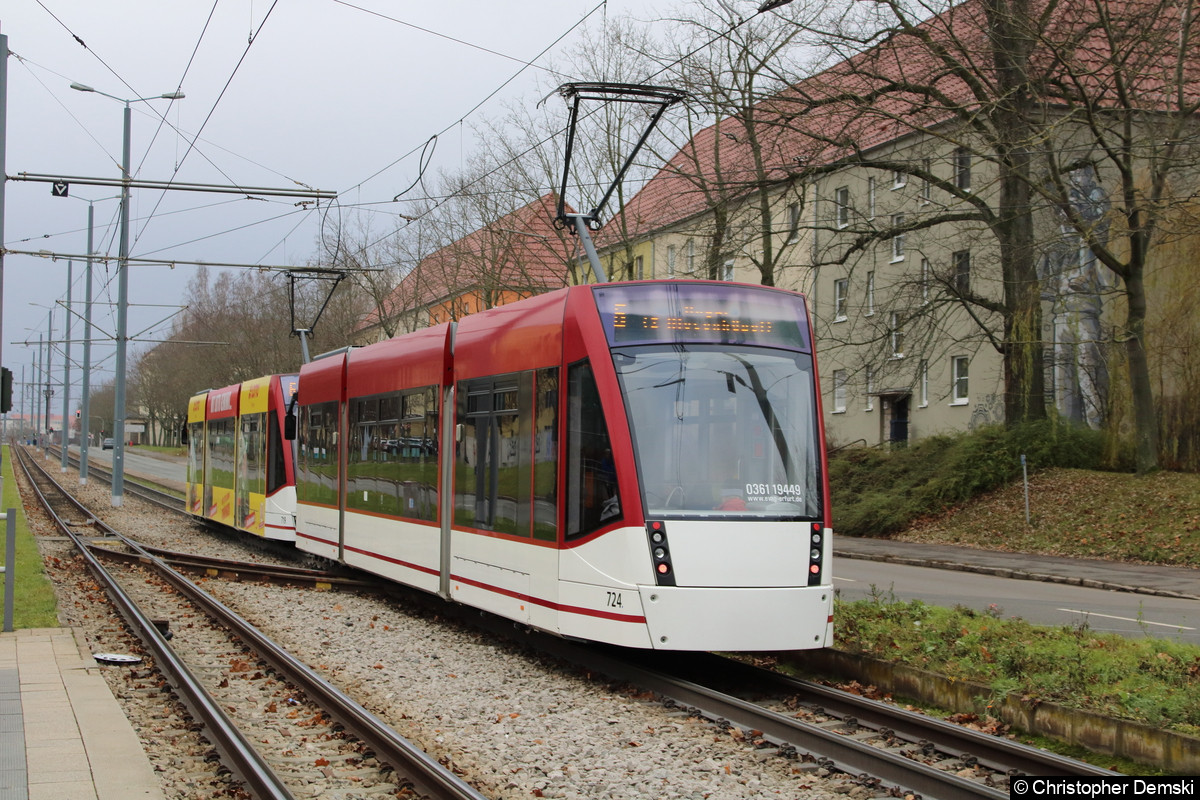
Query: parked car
<point x="107" y="444"/>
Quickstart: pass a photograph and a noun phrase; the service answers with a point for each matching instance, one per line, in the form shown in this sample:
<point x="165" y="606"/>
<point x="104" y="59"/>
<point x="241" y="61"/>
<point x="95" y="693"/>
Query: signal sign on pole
<point x="60" y="188"/>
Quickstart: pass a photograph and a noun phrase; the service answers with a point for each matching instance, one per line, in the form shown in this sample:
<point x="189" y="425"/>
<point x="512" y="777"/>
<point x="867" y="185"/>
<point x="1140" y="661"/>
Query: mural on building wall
<point x="1073" y="283"/>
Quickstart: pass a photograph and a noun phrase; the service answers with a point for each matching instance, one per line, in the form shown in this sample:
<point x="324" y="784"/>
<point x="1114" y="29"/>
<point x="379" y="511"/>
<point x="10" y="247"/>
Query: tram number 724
<point x="614" y="600"/>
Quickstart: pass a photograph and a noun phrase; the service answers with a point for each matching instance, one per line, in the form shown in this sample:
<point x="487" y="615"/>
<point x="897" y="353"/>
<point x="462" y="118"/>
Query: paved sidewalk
<point x="63" y="735"/>
<point x="1094" y="573"/>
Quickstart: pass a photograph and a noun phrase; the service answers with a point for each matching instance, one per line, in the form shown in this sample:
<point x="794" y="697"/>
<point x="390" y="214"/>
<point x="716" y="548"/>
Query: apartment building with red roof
<point x="874" y="187"/>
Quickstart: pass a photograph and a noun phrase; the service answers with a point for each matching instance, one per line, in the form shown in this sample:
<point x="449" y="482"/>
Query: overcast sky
<point x="319" y="93"/>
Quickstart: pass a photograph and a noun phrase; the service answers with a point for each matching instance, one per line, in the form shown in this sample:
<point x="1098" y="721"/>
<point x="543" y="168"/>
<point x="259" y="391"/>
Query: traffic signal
<point x="6" y="386"/>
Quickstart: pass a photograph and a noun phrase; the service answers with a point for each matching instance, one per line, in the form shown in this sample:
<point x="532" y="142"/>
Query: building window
<point x="962" y="169"/>
<point x="638" y="269"/>
<point x="691" y="256"/>
<point x="671" y="261"/>
<point x="926" y="280"/>
<point x="926" y="184"/>
<point x="793" y="222"/>
<point x="958" y="380"/>
<point x="898" y="238"/>
<point x="899" y="179"/>
<point x="728" y="276"/>
<point x="870" y="198"/>
<point x="896" y="335"/>
<point x="962" y="271"/>
<point x="839" y="391"/>
<point x="870" y="389"/>
<point x="841" y="198"/>
<point x="841" y="288"/>
<point x="870" y="293"/>
<point x="923" y="377"/>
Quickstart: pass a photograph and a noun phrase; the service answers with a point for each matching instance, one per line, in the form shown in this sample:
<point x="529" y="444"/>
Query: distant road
<point x="1041" y="603"/>
<point x="169" y="471"/>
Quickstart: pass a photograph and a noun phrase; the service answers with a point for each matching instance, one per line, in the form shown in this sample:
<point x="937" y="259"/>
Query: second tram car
<point x="240" y="468"/>
<point x="638" y="463"/>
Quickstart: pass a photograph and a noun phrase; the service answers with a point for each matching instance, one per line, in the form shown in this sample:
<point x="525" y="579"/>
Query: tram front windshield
<point x="723" y="431"/>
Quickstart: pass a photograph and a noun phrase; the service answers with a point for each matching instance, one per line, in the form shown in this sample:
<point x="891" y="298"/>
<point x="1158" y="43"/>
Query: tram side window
<point x="195" y="456"/>
<point x="392" y="460"/>
<point x="545" y="457"/>
<point x="276" y="457"/>
<point x="252" y="467"/>
<point x="493" y="462"/>
<point x="251" y="474"/>
<point x="592" y="498"/>
<point x="316" y="481"/>
<point x="220" y="453"/>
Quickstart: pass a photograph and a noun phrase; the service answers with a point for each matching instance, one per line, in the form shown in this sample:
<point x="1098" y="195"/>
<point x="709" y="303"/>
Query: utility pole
<point x="85" y="406"/>
<point x="3" y="181"/>
<point x="65" y="439"/>
<point x="37" y="380"/>
<point x="49" y="373"/>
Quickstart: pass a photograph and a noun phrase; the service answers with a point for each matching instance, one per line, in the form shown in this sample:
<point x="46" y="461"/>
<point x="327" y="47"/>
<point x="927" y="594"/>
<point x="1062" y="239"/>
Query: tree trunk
<point x="1145" y="425"/>
<point x="1013" y="38"/>
<point x="1024" y="375"/>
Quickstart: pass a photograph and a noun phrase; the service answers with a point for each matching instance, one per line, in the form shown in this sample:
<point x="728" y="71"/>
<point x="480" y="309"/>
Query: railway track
<point x="237" y="684"/>
<point x="887" y="749"/>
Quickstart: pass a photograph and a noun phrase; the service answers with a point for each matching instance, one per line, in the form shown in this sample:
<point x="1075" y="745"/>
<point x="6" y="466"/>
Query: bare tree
<point x="738" y="157"/>
<point x="1062" y="100"/>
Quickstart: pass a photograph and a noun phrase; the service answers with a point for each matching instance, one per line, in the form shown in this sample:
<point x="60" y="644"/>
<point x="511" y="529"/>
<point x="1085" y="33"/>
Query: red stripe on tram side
<point x="587" y="612"/>
<point x="398" y="562"/>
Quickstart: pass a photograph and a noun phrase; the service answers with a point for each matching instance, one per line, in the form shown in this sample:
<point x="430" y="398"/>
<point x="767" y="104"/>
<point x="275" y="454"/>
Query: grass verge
<point x="1150" y="680"/>
<point x="34" y="604"/>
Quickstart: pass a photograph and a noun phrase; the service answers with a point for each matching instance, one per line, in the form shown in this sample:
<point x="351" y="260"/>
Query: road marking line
<point x="1127" y="619"/>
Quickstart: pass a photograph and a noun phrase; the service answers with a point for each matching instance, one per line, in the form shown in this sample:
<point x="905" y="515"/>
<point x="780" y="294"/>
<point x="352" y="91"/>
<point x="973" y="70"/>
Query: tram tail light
<point x="816" y="554"/>
<point x="660" y="553"/>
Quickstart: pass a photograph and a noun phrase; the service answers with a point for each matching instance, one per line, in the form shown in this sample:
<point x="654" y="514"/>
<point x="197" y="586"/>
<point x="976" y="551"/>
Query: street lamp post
<point x="118" y="462"/>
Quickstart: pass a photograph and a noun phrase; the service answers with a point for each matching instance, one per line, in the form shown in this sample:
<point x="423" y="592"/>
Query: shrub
<point x="878" y="492"/>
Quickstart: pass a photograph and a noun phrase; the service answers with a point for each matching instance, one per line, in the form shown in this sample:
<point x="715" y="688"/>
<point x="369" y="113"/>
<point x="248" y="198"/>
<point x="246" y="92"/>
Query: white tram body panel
<point x="279" y="511"/>
<point x="399" y="550"/>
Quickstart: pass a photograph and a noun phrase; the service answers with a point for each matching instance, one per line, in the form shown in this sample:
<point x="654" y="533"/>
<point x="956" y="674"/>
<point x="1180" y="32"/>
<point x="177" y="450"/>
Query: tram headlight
<point x="660" y="553"/>
<point x="815" y="555"/>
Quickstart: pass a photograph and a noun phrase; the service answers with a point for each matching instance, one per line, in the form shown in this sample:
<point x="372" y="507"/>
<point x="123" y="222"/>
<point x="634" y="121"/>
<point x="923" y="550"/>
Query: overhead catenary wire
<point x="556" y="133"/>
<point x="462" y="191"/>
<point x="493" y="93"/>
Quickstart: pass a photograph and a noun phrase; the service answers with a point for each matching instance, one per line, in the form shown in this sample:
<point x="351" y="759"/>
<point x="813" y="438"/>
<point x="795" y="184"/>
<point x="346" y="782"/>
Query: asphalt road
<point x="1126" y="613"/>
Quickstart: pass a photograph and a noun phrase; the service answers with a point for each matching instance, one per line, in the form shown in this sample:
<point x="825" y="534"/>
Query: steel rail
<point x="237" y="752"/>
<point x="234" y="570"/>
<point x="841" y="752"/>
<point x="990" y="751"/>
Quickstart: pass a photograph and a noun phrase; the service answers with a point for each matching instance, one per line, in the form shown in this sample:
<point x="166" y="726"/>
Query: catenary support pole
<point x="65" y="438"/>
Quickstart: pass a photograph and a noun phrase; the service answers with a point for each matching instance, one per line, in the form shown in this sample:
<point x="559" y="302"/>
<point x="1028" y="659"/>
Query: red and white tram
<point x="240" y="469"/>
<point x="635" y="463"/>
